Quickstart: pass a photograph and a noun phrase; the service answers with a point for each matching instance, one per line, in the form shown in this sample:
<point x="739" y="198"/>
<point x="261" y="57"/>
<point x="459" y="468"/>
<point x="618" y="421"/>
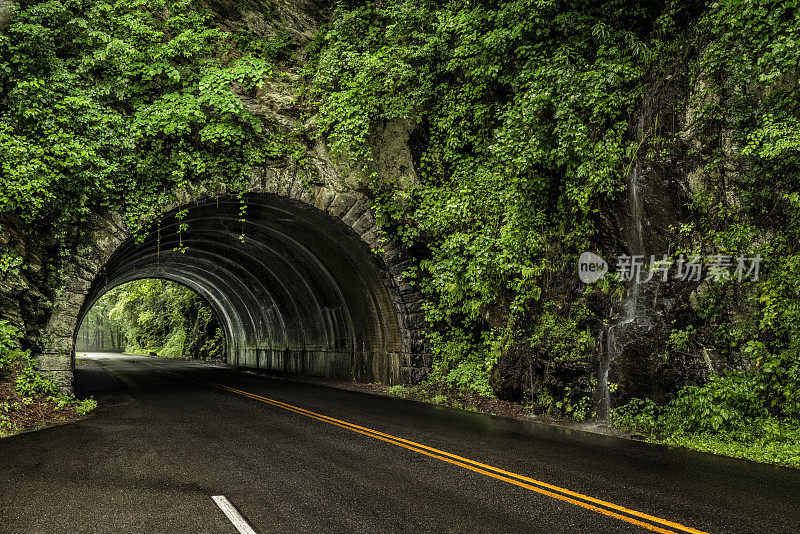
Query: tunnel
<point x="295" y="289"/>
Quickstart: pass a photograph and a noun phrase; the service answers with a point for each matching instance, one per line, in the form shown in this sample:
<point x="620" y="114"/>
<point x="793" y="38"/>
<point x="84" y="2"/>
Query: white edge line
<point x="233" y="515"/>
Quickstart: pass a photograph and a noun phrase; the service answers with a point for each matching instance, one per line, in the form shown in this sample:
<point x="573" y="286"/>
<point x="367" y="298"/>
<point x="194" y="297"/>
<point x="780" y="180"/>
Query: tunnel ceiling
<point x="298" y="282"/>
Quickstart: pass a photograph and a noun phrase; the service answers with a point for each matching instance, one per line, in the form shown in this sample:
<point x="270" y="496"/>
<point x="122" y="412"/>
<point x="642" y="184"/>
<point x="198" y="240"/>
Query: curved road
<point x="185" y="447"/>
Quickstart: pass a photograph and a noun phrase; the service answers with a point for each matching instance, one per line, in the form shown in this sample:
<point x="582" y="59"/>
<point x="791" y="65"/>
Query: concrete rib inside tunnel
<point x="295" y="289"/>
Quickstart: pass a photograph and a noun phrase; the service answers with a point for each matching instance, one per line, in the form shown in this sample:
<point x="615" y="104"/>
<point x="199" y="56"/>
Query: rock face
<point x="300" y="19"/>
<point x="633" y="348"/>
<point x="26" y="278"/>
<point x="632" y="331"/>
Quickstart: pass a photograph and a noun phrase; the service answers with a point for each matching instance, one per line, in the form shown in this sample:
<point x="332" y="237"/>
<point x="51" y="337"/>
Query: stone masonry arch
<point x="310" y="289"/>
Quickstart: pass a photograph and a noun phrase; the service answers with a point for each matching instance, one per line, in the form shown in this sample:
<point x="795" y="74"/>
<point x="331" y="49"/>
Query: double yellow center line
<point x="606" y="508"/>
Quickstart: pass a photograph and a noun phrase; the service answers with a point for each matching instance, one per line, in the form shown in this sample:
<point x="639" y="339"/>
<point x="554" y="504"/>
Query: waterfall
<point x="609" y="350"/>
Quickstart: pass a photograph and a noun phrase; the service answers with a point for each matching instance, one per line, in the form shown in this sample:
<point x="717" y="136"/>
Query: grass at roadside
<point x="785" y="453"/>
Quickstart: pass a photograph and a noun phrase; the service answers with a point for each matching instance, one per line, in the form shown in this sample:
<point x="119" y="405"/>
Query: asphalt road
<point x="170" y="436"/>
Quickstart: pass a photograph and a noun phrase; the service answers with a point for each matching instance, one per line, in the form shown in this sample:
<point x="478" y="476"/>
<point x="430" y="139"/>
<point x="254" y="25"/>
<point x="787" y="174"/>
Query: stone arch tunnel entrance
<point x="296" y="289"/>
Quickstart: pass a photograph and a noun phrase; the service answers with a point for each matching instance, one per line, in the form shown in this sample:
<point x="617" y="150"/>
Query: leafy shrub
<point x="174" y="346"/>
<point x="398" y="390"/>
<point x="639" y="415"/>
<point x="470" y="375"/>
<point x="85" y="406"/>
<point x="9" y="339"/>
<point x="780" y="379"/>
<point x="29" y="383"/>
<point x="724" y="404"/>
<point x="579" y="409"/>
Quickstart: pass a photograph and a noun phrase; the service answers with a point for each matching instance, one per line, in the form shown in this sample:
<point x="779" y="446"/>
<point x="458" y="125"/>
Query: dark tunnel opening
<point x="295" y="290"/>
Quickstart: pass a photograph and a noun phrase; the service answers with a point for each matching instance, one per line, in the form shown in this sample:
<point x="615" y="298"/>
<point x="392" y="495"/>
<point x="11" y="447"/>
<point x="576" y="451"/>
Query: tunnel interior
<point x="295" y="289"/>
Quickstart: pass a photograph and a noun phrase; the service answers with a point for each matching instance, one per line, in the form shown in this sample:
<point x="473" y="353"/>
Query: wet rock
<point x="418" y="375"/>
<point x="511" y="374"/>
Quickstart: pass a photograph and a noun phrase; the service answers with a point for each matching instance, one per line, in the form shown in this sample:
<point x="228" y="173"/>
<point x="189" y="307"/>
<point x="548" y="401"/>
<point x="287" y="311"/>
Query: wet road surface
<point x="186" y="447"/>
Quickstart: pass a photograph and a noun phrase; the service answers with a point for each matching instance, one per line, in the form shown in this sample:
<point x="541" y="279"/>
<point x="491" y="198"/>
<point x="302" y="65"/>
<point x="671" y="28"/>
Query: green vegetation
<point x="121" y="104"/>
<point x="431" y="394"/>
<point x="443" y="394"/>
<point x="153" y="315"/>
<point x="26" y="398"/>
<point x="524" y="108"/>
